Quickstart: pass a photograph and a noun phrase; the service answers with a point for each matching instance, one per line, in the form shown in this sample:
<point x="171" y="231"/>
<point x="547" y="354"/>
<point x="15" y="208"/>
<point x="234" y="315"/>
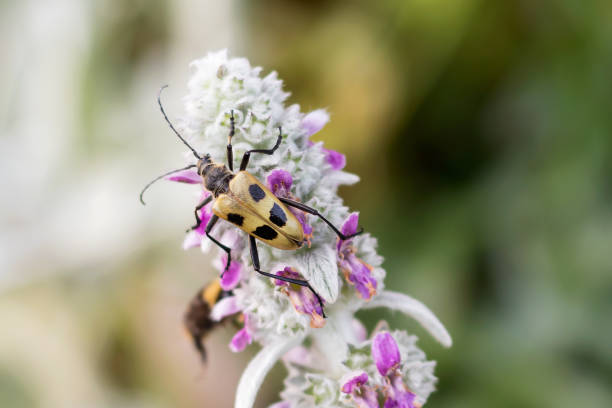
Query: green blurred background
<point x="482" y="131"/>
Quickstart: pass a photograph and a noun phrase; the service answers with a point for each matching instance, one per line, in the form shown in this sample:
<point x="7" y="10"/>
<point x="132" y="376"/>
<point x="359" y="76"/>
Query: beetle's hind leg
<point x="313" y="211"/>
<point x="209" y="227"/>
<point x="197" y="216"/>
<point x="255" y="259"/>
<point x="245" y="159"/>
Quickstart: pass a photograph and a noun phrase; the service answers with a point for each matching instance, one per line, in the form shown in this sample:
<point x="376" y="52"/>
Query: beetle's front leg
<point x="197" y="209"/>
<point x="209" y="227"/>
<point x="247" y="155"/>
<point x="255" y="259"/>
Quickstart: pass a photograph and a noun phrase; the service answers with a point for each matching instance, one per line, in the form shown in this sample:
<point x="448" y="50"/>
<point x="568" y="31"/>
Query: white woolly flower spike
<point x="340" y="366"/>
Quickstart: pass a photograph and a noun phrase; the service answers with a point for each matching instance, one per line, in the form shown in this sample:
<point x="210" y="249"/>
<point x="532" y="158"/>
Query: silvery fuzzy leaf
<point x="338" y="178"/>
<point x="258" y="368"/>
<point x="415" y="309"/>
<point x="319" y="267"/>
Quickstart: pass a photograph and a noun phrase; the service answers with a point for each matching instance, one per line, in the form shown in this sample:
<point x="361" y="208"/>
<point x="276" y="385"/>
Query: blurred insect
<point x="198" y="321"/>
<point x="245" y="202"/>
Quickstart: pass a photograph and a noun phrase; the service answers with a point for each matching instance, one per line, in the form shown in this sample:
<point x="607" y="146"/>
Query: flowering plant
<point x="331" y="361"/>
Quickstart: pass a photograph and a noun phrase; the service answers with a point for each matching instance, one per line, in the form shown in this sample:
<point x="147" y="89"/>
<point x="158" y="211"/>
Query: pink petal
<point x="287" y="272"/>
<point x="335" y="159"/>
<point x="231" y="277"/>
<point x="314" y="121"/>
<point x="367" y="399"/>
<point x="353" y="381"/>
<point x="385" y="352"/>
<point x="302" y="299"/>
<point x="205" y="215"/>
<point x="400" y="399"/>
<point x="397" y="394"/>
<point x="185" y="176"/>
<point x="359" y="274"/>
<point x="350" y="225"/>
<point x="280" y="181"/>
<point x="240" y="340"/>
<point x="192" y="240"/>
<point x="223" y="308"/>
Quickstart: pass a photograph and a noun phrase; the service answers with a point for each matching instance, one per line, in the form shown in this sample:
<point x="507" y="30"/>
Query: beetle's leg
<point x="209" y="226"/>
<point x="245" y="159"/>
<point x="313" y="211"/>
<point x="255" y="259"/>
<point x="230" y="151"/>
<point x="197" y="216"/>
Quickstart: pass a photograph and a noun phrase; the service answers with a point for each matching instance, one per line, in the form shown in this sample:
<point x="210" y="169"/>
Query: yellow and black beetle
<point x="245" y="202"/>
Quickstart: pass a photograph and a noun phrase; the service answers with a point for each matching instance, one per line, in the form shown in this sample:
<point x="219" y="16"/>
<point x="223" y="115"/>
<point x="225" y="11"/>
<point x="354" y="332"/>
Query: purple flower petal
<point x="232" y="276"/>
<point x="397" y="394"/>
<point x="359" y="274"/>
<point x="353" y="381"/>
<point x="303" y="300"/>
<point x="287" y="272"/>
<point x="363" y="395"/>
<point x="223" y="308"/>
<point x="314" y="121"/>
<point x="306" y="227"/>
<point x="280" y="181"/>
<point x="350" y="225"/>
<point x="240" y="340"/>
<point x="385" y="352"/>
<point x="192" y="240"/>
<point x="205" y="215"/>
<point x="403" y="399"/>
<point x="335" y="159"/>
<point x="367" y="399"/>
<point x="185" y="176"/>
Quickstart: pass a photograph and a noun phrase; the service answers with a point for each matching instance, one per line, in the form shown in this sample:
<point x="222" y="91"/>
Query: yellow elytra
<point x="257" y="211"/>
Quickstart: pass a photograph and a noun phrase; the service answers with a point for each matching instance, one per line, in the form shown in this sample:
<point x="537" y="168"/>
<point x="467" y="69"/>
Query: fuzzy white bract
<point x="346" y="274"/>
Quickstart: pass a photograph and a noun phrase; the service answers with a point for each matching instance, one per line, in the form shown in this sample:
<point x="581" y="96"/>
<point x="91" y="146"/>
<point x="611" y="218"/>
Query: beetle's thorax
<point x="216" y="177"/>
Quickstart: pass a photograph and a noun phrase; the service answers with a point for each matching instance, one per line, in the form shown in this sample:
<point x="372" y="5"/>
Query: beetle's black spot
<point x="265" y="232"/>
<point x="235" y="218"/>
<point x="278" y="216"/>
<point x="256" y="192"/>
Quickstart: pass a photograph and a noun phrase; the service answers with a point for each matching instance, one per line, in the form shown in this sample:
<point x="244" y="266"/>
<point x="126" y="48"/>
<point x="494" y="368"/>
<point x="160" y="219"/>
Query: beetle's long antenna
<point x="160" y="177"/>
<point x="172" y="127"/>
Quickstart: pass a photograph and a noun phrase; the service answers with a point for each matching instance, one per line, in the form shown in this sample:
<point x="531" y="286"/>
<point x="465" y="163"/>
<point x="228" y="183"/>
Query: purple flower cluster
<point x="386" y="370"/>
<point x="302" y="298"/>
<point x="394" y="393"/>
<point x="356" y="272"/>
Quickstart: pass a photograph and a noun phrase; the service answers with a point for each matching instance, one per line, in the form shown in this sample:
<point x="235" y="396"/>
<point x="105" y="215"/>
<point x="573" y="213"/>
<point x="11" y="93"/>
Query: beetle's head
<point x="203" y="163"/>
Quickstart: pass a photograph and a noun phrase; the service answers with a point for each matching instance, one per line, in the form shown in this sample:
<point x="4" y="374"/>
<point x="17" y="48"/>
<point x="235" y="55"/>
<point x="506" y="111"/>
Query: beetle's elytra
<point x="244" y="201"/>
